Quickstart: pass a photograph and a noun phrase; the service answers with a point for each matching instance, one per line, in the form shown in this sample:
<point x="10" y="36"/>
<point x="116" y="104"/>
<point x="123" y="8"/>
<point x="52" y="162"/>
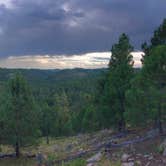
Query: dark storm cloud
<point x="29" y="27"/>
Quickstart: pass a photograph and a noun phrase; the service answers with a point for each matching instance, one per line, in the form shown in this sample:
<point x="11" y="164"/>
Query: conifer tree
<point x="20" y="122"/>
<point x="154" y="70"/>
<point x="120" y="73"/>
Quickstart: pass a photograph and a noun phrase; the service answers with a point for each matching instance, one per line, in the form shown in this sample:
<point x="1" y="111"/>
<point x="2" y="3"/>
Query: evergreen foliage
<point x="19" y="116"/>
<point x="117" y="82"/>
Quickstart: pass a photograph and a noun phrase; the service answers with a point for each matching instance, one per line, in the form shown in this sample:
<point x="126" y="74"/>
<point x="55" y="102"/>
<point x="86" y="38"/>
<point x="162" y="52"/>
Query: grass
<point x="56" y="149"/>
<point x="6" y="149"/>
<point x="17" y="162"/>
<point x="78" y="162"/>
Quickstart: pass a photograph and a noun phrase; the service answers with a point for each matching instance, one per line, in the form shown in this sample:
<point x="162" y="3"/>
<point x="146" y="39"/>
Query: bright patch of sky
<point x="7" y="3"/>
<point x="88" y="61"/>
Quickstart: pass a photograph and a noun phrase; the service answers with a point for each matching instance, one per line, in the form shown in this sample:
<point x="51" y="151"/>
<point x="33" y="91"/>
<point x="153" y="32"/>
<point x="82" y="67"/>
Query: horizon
<point x="94" y="60"/>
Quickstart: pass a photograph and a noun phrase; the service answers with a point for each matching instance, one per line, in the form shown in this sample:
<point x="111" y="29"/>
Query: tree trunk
<point x="47" y="139"/>
<point x="47" y="134"/>
<point x="160" y="127"/>
<point x="122" y="125"/>
<point x="17" y="150"/>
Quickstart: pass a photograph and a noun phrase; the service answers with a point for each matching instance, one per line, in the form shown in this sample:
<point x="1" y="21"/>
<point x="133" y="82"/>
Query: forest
<point x="49" y="104"/>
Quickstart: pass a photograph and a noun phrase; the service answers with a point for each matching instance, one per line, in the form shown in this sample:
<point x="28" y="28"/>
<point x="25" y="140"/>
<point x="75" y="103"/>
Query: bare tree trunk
<point x="17" y="149"/>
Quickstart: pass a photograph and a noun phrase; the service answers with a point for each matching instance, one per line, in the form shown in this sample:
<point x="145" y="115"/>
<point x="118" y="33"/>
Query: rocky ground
<point x="104" y="148"/>
<point x="150" y="152"/>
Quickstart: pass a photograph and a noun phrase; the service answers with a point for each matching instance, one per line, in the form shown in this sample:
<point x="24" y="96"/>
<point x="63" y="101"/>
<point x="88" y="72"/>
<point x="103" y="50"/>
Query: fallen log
<point x="12" y="155"/>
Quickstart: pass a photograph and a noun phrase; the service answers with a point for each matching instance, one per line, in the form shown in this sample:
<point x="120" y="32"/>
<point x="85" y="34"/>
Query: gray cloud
<point x="74" y="26"/>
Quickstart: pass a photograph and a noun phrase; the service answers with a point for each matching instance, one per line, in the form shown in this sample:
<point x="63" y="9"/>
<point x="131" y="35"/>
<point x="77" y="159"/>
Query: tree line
<point x="123" y="97"/>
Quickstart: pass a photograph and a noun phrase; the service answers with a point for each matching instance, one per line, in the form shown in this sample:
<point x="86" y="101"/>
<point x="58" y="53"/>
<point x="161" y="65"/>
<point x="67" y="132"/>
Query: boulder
<point x="162" y="148"/>
<point x="148" y="164"/>
<point x="95" y="158"/>
<point x="152" y="133"/>
<point x="164" y="144"/>
<point x="128" y="164"/>
<point x="90" y="164"/>
<point x="150" y="157"/>
<point x="125" y="157"/>
<point x="164" y="152"/>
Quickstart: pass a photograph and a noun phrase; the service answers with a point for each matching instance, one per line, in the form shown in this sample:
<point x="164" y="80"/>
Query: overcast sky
<point x="72" y="27"/>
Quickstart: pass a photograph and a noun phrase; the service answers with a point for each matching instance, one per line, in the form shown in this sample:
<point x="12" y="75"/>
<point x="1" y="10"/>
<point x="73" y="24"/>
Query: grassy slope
<point x="60" y="148"/>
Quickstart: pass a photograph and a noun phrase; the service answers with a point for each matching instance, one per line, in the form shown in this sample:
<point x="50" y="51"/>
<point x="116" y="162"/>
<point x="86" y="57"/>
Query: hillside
<point x="36" y="76"/>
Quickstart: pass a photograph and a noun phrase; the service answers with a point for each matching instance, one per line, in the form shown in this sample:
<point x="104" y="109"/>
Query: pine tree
<point x="159" y="37"/>
<point x="63" y="122"/>
<point x="20" y="123"/>
<point x="154" y="70"/>
<point x="120" y="74"/>
<point x="140" y="102"/>
<point x="48" y="119"/>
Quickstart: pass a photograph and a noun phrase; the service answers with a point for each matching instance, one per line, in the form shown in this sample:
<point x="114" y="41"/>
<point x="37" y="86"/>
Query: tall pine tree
<point x="120" y="73"/>
<point x="154" y="70"/>
<point x="20" y="122"/>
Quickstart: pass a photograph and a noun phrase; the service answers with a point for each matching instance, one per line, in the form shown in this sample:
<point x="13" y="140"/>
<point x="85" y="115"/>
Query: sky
<point x="72" y="33"/>
<point x="87" y="61"/>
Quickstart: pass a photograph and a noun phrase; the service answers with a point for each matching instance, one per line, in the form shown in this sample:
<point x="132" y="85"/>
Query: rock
<point x="125" y="157"/>
<point x="30" y="155"/>
<point x="152" y="133"/>
<point x="150" y="158"/>
<point x="164" y="152"/>
<point x="128" y="164"/>
<point x="164" y="161"/>
<point x="95" y="158"/>
<point x="146" y="155"/>
<point x="147" y="164"/>
<point x="90" y="164"/>
<point x="130" y="160"/>
<point x="164" y="144"/>
<point x="114" y="155"/>
<point x="40" y="158"/>
<point x="162" y="148"/>
<point x="69" y="147"/>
